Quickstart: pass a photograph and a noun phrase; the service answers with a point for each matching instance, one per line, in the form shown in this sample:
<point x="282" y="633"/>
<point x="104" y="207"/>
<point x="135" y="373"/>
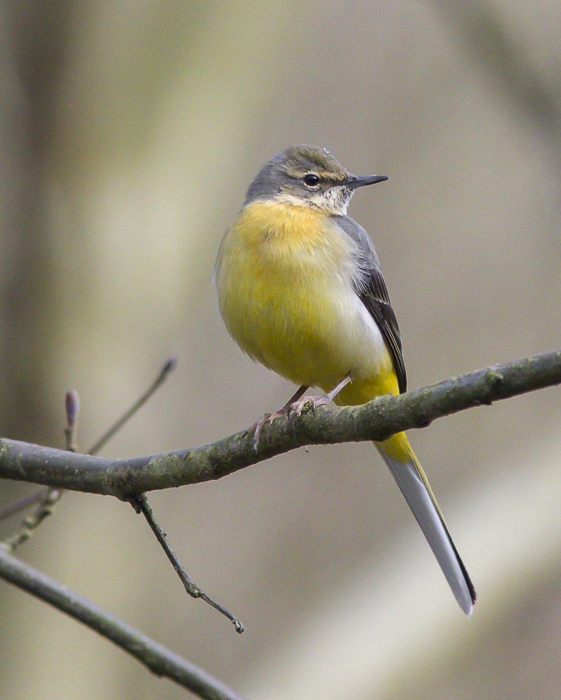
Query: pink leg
<point x="270" y="417"/>
<point x="317" y="401"/>
<point x="294" y="406"/>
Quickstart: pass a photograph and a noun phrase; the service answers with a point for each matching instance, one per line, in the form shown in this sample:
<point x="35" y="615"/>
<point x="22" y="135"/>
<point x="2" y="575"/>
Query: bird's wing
<point x="371" y="289"/>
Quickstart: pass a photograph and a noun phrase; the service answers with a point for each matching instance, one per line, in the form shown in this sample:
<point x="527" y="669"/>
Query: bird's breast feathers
<point x="284" y="277"/>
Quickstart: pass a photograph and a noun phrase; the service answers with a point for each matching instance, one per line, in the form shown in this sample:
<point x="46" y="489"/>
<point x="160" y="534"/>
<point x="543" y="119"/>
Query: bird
<point x="301" y="291"/>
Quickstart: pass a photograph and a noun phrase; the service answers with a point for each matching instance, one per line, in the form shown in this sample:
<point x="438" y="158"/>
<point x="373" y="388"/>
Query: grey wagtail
<point x="300" y="289"/>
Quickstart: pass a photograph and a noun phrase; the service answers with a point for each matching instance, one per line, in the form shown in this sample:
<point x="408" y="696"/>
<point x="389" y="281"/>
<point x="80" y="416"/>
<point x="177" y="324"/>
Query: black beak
<point x="355" y="182"/>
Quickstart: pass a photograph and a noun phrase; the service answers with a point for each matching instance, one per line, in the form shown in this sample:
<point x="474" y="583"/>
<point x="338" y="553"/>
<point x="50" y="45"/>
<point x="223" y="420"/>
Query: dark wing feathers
<point x="372" y="291"/>
<point x="374" y="295"/>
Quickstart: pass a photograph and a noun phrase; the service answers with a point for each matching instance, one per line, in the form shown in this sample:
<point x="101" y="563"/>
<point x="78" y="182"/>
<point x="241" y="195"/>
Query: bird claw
<point x="256" y="428"/>
<point x="316" y="402"/>
<point x="291" y="411"/>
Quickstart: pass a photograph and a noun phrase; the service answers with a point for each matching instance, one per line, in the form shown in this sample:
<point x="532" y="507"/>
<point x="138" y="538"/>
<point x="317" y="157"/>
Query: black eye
<point x="311" y="180"/>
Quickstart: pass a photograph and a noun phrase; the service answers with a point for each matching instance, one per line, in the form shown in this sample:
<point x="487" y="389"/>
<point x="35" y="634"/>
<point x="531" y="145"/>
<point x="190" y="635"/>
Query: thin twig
<point x="47" y="501"/>
<point x="22" y="504"/>
<point x="48" y="497"/>
<point x="140" y="503"/>
<point x="72" y="408"/>
<point x="154" y="656"/>
<point x="160" y="379"/>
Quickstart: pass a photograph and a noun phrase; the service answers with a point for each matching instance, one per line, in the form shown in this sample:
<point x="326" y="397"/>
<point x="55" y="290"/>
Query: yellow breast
<point x="284" y="280"/>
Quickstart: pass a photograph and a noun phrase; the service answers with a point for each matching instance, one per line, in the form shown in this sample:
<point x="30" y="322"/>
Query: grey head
<point x="307" y="176"/>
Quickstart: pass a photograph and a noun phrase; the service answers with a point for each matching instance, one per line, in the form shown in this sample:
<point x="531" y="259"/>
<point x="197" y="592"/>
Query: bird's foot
<point x="291" y="410"/>
<point x="296" y="408"/>
<point x="268" y="418"/>
<point x="298" y="402"/>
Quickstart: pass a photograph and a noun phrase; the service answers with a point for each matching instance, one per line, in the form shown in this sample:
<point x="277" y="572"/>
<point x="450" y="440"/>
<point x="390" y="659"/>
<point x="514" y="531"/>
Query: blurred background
<point x="128" y="135"/>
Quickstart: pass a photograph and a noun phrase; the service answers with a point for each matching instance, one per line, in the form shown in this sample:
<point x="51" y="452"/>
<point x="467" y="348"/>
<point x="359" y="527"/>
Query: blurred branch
<point x="154" y="656"/>
<point x="376" y="420"/>
<point x="493" y="48"/>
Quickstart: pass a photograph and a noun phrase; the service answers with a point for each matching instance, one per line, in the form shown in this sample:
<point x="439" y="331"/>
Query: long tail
<point x="411" y="479"/>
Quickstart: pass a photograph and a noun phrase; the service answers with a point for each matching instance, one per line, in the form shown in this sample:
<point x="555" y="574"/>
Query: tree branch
<point x="376" y="420"/>
<point x="154" y="656"/>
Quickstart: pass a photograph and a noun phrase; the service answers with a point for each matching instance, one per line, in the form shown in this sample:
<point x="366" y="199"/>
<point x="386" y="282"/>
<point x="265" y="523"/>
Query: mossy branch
<point x="376" y="420"/>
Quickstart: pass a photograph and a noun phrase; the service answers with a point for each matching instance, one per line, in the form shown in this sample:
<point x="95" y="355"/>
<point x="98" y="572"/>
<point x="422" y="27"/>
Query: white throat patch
<point x="335" y="200"/>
